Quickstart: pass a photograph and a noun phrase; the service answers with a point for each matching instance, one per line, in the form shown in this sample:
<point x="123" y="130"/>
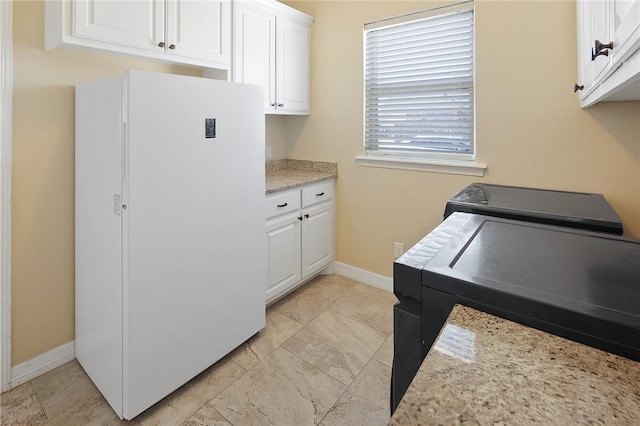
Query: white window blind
<point x="419" y="94"/>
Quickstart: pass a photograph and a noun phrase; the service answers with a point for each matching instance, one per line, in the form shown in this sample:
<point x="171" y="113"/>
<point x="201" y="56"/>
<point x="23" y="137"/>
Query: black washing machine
<point x="414" y="327"/>
<point x="573" y="209"/>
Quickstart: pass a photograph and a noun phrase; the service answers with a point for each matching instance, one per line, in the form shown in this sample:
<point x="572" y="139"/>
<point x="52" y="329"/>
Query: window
<point x="419" y="94"/>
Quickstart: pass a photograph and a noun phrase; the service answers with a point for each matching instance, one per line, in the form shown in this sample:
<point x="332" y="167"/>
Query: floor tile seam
<point x="288" y="317"/>
<point x="344" y="317"/>
<point x="372" y="359"/>
<point x="301" y="288"/>
<point x="317" y="367"/>
<point x="210" y="405"/>
<point x="244" y="373"/>
<point x="352" y="384"/>
<point x="270" y="351"/>
<point x="386" y="336"/>
<point x="346" y="389"/>
<point x="208" y="402"/>
<point x="380" y="348"/>
<point x="386" y="333"/>
<point x="303" y="324"/>
<point x="66" y="412"/>
<point x="35" y="393"/>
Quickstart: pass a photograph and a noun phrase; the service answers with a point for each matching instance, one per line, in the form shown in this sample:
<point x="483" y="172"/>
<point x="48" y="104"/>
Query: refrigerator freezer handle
<point x="125" y="155"/>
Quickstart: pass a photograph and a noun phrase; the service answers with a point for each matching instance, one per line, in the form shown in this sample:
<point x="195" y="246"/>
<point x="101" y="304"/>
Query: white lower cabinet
<point x="317" y="238"/>
<point x="300" y="236"/>
<point x="284" y="254"/>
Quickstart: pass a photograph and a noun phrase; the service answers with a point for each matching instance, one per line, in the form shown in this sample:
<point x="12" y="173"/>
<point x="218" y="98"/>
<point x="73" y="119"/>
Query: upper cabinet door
<point x="292" y="88"/>
<point x="255" y="48"/>
<point x="585" y="65"/>
<point x="626" y="28"/>
<point x="271" y="49"/>
<point x="138" y="24"/>
<point x="199" y="29"/>
<point x="600" y="30"/>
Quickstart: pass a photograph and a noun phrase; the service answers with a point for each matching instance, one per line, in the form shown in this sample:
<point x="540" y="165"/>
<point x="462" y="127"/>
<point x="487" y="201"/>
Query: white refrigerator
<point x="170" y="244"/>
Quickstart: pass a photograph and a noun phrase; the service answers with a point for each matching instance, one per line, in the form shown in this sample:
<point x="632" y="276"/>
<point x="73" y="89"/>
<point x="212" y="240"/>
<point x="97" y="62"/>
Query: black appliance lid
<point x="557" y="206"/>
<point x="594" y="274"/>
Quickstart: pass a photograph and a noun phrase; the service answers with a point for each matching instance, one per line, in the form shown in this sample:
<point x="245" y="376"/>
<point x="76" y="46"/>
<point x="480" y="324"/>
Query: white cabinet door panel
<point x="600" y="30"/>
<point x="293" y="67"/>
<point x="626" y="24"/>
<point x="317" y="238"/>
<point x="255" y="49"/>
<point x="283" y="251"/>
<point x="199" y="29"/>
<point x="138" y="24"/>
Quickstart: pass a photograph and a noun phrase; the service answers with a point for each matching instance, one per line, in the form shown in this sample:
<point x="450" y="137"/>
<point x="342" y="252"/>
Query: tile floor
<point x="324" y="358"/>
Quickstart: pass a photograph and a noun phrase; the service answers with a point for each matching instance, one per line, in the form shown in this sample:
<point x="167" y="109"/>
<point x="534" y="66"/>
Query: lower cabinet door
<point x="283" y="251"/>
<point x="317" y="238"/>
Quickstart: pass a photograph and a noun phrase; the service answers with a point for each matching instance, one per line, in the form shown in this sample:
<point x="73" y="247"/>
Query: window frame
<point x="447" y="162"/>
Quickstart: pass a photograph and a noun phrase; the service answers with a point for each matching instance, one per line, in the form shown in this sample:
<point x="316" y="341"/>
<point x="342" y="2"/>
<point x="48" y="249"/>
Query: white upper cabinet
<point x="625" y="18"/>
<point x="608" y="51"/>
<point x="195" y="32"/>
<point x="199" y="30"/>
<point x="292" y="59"/>
<point x="132" y="25"/>
<point x="271" y="49"/>
<point x="254" y="48"/>
<point x="600" y="31"/>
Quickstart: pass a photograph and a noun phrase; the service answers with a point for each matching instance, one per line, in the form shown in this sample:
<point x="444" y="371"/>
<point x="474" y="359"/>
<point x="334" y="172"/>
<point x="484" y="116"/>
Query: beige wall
<point x="43" y="203"/>
<point x="530" y="131"/>
<point x="530" y="128"/>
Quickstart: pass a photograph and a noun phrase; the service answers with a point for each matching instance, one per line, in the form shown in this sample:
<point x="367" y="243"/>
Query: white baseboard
<point x="41" y="364"/>
<point x="366" y="277"/>
<point x="54" y="358"/>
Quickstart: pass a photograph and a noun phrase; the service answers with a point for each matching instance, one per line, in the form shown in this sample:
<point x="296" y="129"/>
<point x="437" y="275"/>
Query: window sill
<point x="469" y="168"/>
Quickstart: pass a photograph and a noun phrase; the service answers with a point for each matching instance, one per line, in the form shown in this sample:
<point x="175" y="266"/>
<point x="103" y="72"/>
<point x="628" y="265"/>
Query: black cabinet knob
<point x="577" y="87"/>
<point x="600" y="49"/>
<point x="172" y="46"/>
<point x="161" y="44"/>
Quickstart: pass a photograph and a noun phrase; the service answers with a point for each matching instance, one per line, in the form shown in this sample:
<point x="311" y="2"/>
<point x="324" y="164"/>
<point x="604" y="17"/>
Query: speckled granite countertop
<point x="287" y="174"/>
<point x="490" y="371"/>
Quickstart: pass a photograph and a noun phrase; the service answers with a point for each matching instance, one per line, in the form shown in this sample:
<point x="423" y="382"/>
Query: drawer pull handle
<point x="320" y="194"/>
<point x="283" y="205"/>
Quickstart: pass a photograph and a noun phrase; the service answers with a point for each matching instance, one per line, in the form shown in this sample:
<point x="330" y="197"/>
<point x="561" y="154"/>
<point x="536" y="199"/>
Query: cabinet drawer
<point x="317" y="193"/>
<point x="282" y="203"/>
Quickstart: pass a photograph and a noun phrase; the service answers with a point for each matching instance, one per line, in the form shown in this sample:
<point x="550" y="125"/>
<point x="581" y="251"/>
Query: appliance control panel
<point x="209" y="128"/>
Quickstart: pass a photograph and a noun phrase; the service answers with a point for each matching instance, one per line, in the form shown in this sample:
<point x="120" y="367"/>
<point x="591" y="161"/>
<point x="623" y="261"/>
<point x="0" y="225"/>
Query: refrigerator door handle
<point x="125" y="155"/>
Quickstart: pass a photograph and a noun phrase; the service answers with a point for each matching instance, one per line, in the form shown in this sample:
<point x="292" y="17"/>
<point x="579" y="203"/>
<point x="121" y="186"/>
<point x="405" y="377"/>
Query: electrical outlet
<point x="398" y="249"/>
<point x="268" y="152"/>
